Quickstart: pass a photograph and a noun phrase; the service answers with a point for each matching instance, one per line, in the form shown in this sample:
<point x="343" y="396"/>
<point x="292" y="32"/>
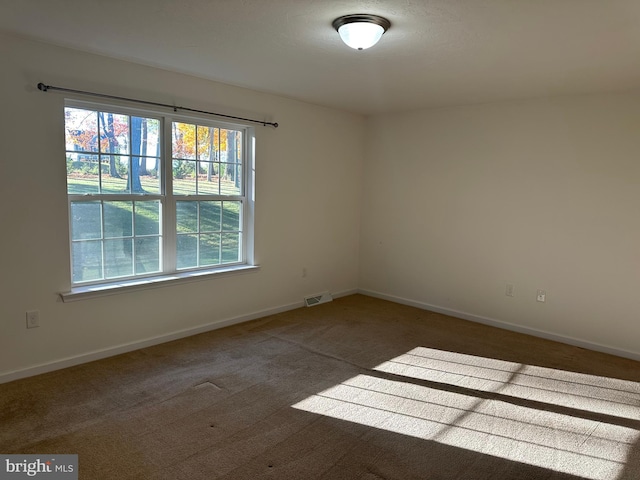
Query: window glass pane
<point x="210" y="216"/>
<point x="206" y="143"/>
<point x="147" y="255"/>
<point x="86" y="220"/>
<point x="208" y="178"/>
<point x="136" y="180"/>
<point x="231" y="216"/>
<point x="147" y="218"/>
<point x="209" y="249"/>
<point x="114" y="132"/>
<point x="237" y="148"/>
<point x="230" y="248"/>
<point x="184" y="177"/>
<point x="187" y="217"/>
<point x="115" y="173"/>
<point x="118" y="219"/>
<point x="183" y="141"/>
<point x="117" y="258"/>
<point x="229" y="144"/>
<point x="147" y="178"/>
<point x="139" y="136"/>
<point x="82" y="174"/>
<point x="231" y="179"/>
<point x="187" y="251"/>
<point x="81" y="129"/>
<point x="150" y="140"/>
<point x="87" y="261"/>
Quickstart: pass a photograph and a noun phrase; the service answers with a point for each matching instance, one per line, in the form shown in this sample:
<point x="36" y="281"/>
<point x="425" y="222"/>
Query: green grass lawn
<point x="112" y="239"/>
<point x="81" y="184"/>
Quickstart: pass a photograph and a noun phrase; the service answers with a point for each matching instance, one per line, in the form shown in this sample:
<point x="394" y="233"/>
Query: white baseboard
<point x="506" y="325"/>
<point x="129" y="347"/>
<point x="345" y="293"/>
<point x="137" y="345"/>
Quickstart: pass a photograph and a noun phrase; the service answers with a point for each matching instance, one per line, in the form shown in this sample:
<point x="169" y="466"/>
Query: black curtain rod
<point x="44" y="88"/>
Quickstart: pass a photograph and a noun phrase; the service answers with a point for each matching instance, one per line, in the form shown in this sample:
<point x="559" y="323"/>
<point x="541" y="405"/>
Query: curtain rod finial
<point x="43" y="87"/>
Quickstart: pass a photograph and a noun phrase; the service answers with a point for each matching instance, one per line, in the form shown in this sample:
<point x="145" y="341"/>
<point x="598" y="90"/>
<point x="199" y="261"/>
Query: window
<point x="152" y="195"/>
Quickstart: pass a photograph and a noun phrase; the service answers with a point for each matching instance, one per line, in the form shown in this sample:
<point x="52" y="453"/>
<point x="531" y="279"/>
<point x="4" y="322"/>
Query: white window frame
<point x="168" y="242"/>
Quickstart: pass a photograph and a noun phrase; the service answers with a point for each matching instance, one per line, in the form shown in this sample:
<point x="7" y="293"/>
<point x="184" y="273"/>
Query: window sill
<point x="125" y="286"/>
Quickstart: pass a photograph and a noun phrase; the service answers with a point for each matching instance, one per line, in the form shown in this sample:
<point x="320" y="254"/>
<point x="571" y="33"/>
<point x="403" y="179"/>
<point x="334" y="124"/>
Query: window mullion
<point x="169" y="255"/>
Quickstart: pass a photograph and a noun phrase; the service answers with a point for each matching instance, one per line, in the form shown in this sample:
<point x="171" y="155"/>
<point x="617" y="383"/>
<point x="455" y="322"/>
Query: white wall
<point x="451" y="204"/>
<point x="544" y="194"/>
<point x="307" y="209"/>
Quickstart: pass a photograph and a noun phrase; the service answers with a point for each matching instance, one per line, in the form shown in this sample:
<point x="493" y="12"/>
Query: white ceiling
<point x="437" y="52"/>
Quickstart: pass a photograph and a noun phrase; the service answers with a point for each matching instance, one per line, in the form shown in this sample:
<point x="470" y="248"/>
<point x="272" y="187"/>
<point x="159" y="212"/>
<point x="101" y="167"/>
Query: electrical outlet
<point x="542" y="296"/>
<point x="509" y="290"/>
<point x="33" y="319"/>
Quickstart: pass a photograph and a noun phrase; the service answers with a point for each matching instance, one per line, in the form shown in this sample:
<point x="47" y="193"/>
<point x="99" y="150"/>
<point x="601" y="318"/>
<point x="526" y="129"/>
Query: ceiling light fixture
<point x="361" y="31"/>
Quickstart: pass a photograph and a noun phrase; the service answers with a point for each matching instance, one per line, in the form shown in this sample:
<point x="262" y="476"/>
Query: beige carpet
<point x="358" y="388"/>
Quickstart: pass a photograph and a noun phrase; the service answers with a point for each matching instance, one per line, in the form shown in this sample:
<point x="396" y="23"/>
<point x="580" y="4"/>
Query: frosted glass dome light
<point x="361" y="31"/>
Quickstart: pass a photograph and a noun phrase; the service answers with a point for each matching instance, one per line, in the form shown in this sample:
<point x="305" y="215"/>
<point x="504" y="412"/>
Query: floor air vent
<point x="318" y="299"/>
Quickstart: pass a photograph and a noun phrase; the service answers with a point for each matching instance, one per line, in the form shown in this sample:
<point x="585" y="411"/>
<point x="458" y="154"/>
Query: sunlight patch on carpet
<point x="604" y="395"/>
<point x="565" y="440"/>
